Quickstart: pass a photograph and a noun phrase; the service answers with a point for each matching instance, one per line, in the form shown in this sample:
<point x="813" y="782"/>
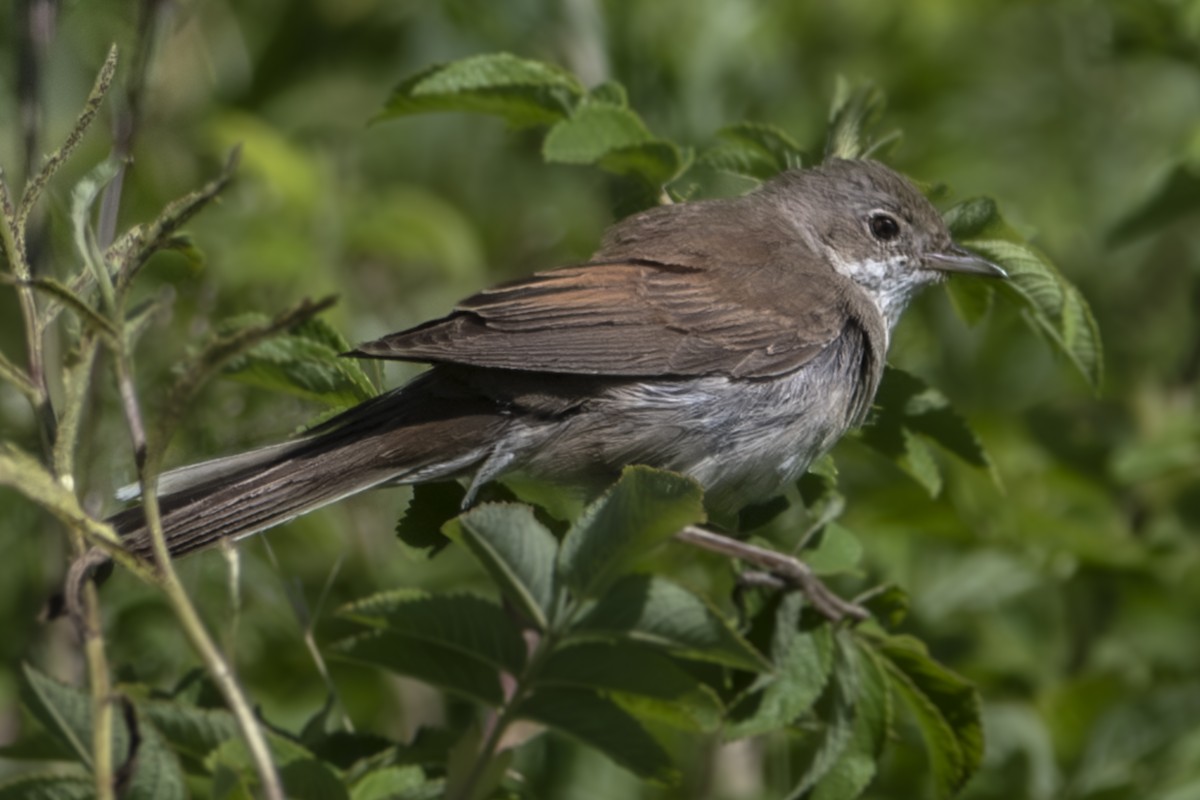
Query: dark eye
<point x="884" y="227"/>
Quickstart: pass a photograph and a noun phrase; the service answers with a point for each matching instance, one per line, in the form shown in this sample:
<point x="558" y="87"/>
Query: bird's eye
<point x="884" y="227"/>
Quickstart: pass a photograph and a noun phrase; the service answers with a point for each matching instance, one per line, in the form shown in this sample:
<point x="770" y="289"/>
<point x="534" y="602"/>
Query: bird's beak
<point x="958" y="259"/>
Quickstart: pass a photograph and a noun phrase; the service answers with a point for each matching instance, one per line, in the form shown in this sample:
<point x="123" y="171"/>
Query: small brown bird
<point x="731" y="340"/>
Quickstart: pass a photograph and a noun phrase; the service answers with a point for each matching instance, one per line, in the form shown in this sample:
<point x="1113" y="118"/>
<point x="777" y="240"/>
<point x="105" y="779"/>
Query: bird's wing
<point x="633" y="318"/>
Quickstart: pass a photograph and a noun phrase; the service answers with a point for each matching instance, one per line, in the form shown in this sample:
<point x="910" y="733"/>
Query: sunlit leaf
<point x="753" y="150"/>
<point x="1051" y="303"/>
<point x="517" y="551"/>
<point x="644" y="508"/>
<point x="802" y="657"/>
<point x="835" y="711"/>
<point x="655" y="611"/>
<point x="305" y="360"/>
<point x="857" y="763"/>
<point x="614" y="139"/>
<point x="521" y="91"/>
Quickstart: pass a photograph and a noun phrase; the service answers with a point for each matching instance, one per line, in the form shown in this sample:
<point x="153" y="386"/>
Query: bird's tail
<point x="400" y="437"/>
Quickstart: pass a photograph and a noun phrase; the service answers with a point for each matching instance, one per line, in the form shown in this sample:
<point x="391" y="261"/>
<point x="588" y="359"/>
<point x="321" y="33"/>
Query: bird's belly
<point x="741" y="440"/>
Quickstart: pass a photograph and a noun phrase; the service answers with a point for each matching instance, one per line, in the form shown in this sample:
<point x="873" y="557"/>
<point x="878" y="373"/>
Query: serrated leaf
<point x="303" y="777"/>
<point x="517" y="551"/>
<point x="658" y="612"/>
<point x="855" y="767"/>
<point x="602" y="724"/>
<point x="754" y="150"/>
<point x="67" y="712"/>
<point x="157" y="772"/>
<point x="945" y="707"/>
<point x="388" y="783"/>
<point x="469" y="625"/>
<point x="193" y="730"/>
<point x="429" y="508"/>
<point x="55" y="786"/>
<point x="436" y="665"/>
<point x="63" y="710"/>
<point x="644" y="681"/>
<point x="835" y="710"/>
<point x="305" y="361"/>
<point x="615" y="139"/>
<point x="909" y="411"/>
<point x="522" y="92"/>
<point x="853" y="113"/>
<point x="642" y="509"/>
<point x="1050" y="302"/>
<point x="802" y="656"/>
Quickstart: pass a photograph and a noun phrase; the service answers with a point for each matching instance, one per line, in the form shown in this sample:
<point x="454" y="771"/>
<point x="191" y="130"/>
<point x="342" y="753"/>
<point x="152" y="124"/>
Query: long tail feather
<point x="405" y="436"/>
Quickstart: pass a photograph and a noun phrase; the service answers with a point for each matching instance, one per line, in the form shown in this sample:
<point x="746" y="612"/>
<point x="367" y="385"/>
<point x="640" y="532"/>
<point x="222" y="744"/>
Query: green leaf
<point x="157" y="772"/>
<point x="838" y="551"/>
<point x="602" y="724"/>
<point x="802" y="655"/>
<point x="856" y="765"/>
<point x="663" y="614"/>
<point x="469" y="625"/>
<point x="835" y="710"/>
<point x="55" y="786"/>
<point x="909" y="412"/>
<point x="434" y="664"/>
<point x="753" y="150"/>
<point x="1052" y="305"/>
<point x="615" y="139"/>
<point x="888" y="605"/>
<point x="63" y="710"/>
<point x="643" y="681"/>
<point x="305" y="361"/>
<point x="429" y="508"/>
<point x="83" y="197"/>
<point x="855" y="110"/>
<point x="523" y="92"/>
<point x="644" y="508"/>
<point x="303" y="776"/>
<point x="388" y="783"/>
<point x="517" y="551"/>
<point x="310" y="779"/>
<point x="67" y="713"/>
<point x="945" y="707"/>
<point x="193" y="730"/>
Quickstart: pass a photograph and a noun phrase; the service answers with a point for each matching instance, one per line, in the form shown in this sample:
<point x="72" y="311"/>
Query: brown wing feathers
<point x="624" y="318"/>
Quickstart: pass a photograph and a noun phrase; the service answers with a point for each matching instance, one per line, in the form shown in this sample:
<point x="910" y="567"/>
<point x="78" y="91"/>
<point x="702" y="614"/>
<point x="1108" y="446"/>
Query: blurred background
<point x="1067" y="586"/>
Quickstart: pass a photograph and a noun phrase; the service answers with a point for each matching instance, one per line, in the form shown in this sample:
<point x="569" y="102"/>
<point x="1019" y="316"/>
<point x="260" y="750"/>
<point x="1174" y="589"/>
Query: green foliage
<point x="1051" y="304"/>
<point x="1052" y="561"/>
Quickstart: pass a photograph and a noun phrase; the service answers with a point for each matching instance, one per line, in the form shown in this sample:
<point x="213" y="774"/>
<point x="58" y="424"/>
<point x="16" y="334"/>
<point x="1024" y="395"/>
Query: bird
<point x="731" y="340"/>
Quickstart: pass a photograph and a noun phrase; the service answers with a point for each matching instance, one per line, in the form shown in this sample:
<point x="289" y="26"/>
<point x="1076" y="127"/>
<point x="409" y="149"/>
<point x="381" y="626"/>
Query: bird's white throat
<point x="890" y="282"/>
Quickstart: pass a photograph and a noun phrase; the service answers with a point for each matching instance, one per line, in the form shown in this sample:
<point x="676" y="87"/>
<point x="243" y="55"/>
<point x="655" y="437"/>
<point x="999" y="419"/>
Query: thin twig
<point x="791" y="569"/>
<point x="181" y="605"/>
